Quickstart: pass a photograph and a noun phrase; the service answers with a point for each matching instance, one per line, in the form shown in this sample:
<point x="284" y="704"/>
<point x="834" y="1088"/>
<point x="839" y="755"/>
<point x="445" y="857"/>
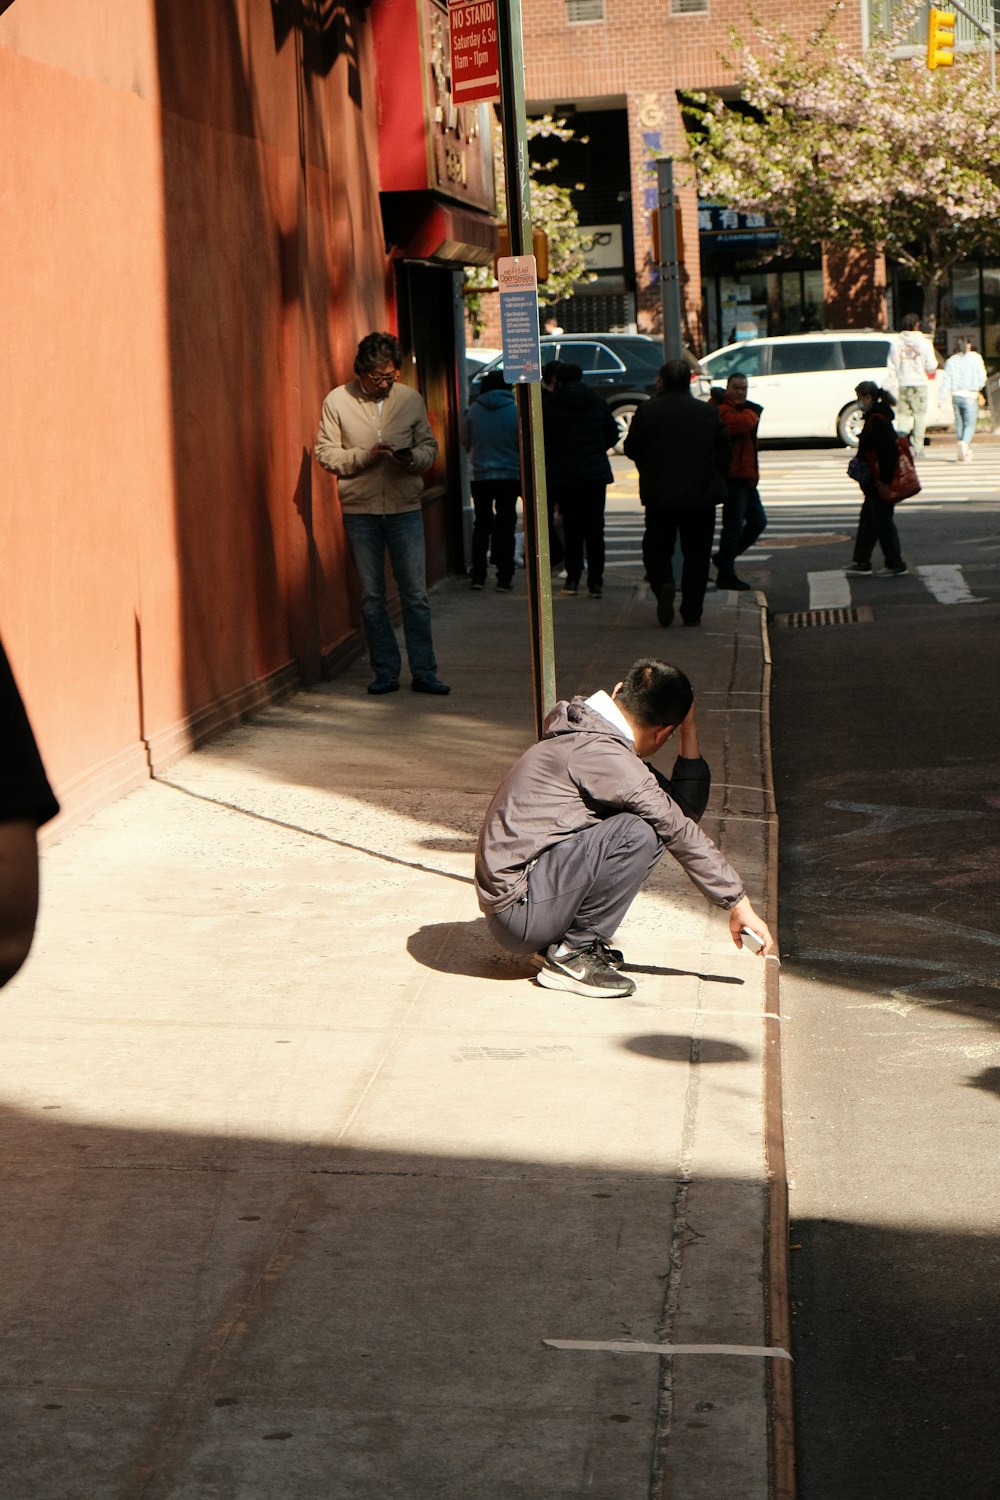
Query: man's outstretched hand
<point x="743" y="915"/>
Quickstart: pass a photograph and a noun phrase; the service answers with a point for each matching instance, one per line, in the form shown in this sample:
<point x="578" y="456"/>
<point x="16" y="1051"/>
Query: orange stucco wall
<point x="192" y="248"/>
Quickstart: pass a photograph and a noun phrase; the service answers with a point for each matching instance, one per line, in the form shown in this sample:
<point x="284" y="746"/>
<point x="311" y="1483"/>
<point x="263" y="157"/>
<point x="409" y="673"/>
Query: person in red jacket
<point x="743" y="517"/>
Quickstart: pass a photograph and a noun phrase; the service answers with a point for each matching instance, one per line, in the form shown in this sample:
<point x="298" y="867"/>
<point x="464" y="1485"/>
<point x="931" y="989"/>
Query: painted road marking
<point x="829" y="590"/>
<point x="947" y="583"/>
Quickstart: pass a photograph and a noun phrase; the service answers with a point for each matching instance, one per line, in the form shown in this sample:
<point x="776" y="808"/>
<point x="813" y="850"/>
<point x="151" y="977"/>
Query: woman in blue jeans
<point x="964" y="378"/>
<point x="878" y="455"/>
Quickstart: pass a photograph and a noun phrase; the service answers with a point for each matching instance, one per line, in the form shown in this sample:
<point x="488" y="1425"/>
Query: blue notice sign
<point x="517" y="276"/>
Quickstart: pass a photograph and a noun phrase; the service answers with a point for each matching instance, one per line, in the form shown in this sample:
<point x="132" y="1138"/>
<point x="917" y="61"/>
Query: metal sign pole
<point x="527" y="396"/>
<point x="670" y="276"/>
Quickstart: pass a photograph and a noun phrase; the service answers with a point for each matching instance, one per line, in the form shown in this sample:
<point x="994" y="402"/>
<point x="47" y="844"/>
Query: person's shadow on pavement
<point x="467" y="948"/>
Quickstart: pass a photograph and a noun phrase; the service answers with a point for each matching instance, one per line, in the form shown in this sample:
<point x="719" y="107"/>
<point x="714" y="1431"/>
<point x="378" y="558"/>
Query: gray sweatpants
<point x="581" y="888"/>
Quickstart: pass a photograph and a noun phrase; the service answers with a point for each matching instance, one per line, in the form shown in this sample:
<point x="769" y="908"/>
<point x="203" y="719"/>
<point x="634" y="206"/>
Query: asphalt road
<point x="887" y="775"/>
<point x="885" y="739"/>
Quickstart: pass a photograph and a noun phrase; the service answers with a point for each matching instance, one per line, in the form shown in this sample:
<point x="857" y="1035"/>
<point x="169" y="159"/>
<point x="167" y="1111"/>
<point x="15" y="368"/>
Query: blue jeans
<point x="743" y="520"/>
<point x="403" y="535"/>
<point x="966" y="410"/>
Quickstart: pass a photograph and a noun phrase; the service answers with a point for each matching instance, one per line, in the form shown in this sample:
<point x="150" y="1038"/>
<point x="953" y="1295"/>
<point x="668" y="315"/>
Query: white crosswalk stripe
<point x="947" y="584"/>
<point x="809" y="499"/>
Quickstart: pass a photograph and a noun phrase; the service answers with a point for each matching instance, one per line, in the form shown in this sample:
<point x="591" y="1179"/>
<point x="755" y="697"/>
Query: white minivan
<point x="805" y="382"/>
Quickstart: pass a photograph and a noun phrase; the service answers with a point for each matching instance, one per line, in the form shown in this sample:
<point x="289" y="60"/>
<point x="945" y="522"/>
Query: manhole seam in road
<point x="863" y="614"/>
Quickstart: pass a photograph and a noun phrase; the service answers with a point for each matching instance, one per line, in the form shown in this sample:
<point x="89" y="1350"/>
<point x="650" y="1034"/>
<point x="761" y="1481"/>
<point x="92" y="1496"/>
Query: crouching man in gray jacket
<point x="579" y="822"/>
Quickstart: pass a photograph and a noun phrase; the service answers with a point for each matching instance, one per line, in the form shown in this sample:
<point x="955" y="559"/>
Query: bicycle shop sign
<point x="475" y="52"/>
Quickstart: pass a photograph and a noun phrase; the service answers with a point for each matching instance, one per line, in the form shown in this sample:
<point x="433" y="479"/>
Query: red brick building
<point x="613" y="69"/>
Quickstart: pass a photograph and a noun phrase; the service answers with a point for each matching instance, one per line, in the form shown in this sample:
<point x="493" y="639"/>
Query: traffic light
<point x="940" y="38"/>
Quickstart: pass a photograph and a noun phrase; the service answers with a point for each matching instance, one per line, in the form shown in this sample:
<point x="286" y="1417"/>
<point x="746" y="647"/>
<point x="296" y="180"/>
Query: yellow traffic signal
<point x="940" y="38"/>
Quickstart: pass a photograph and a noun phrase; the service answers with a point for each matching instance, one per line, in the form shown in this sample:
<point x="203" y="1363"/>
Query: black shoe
<point x="693" y="622"/>
<point x="584" y="971"/>
<point x="383" y="683"/>
<point x="859" y="570"/>
<point x="570" y="587"/>
<point x="897" y="572"/>
<point x="504" y="588"/>
<point x="665" y="604"/>
<point x="596" y="593"/>
<point x="430" y="684"/>
<point x="477" y="583"/>
<point x="731" y="583"/>
<point x="613" y="956"/>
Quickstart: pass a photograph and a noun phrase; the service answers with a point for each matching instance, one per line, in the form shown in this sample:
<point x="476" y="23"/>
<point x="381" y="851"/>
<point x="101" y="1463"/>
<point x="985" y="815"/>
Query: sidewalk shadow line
<point x="314" y="833"/>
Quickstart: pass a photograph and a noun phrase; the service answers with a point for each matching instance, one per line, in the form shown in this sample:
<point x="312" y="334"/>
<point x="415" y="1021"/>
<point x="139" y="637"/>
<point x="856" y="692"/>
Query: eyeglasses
<point x="381" y="378"/>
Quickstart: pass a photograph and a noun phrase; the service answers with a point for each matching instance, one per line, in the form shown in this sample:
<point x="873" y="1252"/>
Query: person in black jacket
<point x="26" y="802"/>
<point x="579" y="430"/>
<point x="878" y="455"/>
<point x="681" y="450"/>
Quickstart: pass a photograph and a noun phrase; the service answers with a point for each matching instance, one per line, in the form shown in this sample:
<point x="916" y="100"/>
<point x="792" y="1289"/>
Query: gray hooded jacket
<point x="582" y="770"/>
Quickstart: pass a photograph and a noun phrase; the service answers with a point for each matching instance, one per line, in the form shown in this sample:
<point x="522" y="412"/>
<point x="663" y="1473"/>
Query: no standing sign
<point x="475" y="51"/>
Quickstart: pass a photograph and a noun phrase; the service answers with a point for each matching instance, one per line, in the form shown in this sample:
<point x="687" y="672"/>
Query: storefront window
<point x="755" y="304"/>
<point x="960" y="311"/>
<point x="991" y="316"/>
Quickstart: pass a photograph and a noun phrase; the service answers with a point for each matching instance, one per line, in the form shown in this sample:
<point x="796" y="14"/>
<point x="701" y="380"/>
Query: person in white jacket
<point x="964" y="378"/>
<point x="912" y="363"/>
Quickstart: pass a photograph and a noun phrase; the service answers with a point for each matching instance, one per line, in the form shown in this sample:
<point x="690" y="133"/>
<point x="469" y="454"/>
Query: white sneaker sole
<point x="552" y="979"/>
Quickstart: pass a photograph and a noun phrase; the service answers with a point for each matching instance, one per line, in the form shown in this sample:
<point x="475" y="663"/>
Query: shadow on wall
<point x="329" y="31"/>
<point x="269" y="208"/>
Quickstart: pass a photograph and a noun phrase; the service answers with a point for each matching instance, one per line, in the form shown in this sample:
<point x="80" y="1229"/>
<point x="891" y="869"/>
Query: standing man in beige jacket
<point x="375" y="436"/>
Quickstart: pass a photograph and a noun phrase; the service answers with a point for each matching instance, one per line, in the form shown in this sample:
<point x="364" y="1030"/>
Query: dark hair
<point x="869" y="388"/>
<point x="550" y="372"/>
<point x="568" y="373"/>
<point x="375" y="349"/>
<point x="910" y="323"/>
<point x="654" y="694"/>
<point x="493" y="381"/>
<point x="675" y="376"/>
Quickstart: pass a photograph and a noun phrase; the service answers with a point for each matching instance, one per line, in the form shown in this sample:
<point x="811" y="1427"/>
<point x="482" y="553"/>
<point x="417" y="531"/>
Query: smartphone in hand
<point x="751" y="940"/>
<point x="402" y="455"/>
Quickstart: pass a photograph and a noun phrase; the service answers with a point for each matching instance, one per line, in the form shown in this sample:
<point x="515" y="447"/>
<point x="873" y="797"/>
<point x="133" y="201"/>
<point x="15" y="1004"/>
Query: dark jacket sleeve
<point x="689" y="784"/>
<point x="878" y="446"/>
<point x="24" y="788"/>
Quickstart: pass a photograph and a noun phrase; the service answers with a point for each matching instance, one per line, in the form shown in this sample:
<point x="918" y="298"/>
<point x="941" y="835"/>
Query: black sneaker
<point x="730" y="583"/>
<point x="613" y="956"/>
<point x="570" y="586"/>
<point x="859" y="570"/>
<point x="899" y="572"/>
<point x="665" y="604"/>
<point x="584" y="971"/>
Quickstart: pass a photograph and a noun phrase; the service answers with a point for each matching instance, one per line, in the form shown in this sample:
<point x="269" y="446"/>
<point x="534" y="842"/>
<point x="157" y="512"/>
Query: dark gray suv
<point x="622" y="366"/>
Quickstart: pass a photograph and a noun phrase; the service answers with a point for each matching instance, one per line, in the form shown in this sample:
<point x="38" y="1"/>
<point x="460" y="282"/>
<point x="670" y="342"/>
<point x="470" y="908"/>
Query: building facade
<point x="196" y="237"/>
<point x="613" y="69"/>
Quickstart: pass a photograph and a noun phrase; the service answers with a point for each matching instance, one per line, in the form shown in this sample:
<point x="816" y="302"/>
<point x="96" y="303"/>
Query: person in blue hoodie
<point x="489" y="433"/>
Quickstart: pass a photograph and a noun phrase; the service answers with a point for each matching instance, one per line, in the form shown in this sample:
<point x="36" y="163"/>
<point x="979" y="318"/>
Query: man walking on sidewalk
<point x="743" y="517"/>
<point x="681" y="450"/>
<point x="578" y="824"/>
<point x="375" y="436"/>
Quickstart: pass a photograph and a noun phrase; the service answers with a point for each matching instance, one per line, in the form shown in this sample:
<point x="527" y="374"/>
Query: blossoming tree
<point x="868" y="150"/>
<point x="552" y="209"/>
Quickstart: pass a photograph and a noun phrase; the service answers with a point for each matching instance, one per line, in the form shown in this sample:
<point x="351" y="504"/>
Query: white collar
<point x="602" y="703"/>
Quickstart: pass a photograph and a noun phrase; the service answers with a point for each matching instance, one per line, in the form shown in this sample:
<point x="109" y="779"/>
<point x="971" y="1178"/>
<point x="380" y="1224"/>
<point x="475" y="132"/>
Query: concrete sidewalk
<point x="301" y="1172"/>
